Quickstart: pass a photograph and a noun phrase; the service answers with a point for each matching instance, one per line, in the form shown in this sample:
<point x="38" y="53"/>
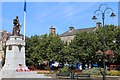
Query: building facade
<point x="3" y="38"/>
<point x="70" y="34"/>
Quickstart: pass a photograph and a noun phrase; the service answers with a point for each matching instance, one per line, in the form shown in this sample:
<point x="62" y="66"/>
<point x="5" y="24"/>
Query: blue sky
<point x="41" y="15"/>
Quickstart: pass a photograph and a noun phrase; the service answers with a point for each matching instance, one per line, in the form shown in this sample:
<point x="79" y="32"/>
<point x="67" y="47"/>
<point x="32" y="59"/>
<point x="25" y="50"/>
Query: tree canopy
<point x="83" y="48"/>
<point x="42" y="48"/>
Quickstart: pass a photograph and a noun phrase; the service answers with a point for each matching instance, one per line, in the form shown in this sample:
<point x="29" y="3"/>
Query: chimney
<point x="98" y="24"/>
<point x="52" y="30"/>
<point x="71" y="29"/>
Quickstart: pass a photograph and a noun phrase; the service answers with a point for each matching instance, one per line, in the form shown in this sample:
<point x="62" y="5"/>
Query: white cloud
<point x="73" y="11"/>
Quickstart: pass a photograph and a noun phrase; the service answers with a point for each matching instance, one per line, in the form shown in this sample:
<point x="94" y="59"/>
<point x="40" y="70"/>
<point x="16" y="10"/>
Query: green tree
<point x="42" y="48"/>
<point x="86" y="44"/>
<point x="54" y="48"/>
<point x="32" y="51"/>
<point x="106" y="38"/>
<point x="84" y="47"/>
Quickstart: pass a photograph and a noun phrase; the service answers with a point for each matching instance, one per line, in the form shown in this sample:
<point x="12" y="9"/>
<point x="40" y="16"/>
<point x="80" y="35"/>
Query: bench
<point x="63" y="74"/>
<point x="83" y="76"/>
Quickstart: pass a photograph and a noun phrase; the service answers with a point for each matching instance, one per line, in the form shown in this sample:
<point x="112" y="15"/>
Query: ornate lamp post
<point x="103" y="18"/>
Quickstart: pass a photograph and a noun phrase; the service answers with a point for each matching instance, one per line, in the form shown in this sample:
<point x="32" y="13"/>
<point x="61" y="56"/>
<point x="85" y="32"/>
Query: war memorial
<point x="15" y="66"/>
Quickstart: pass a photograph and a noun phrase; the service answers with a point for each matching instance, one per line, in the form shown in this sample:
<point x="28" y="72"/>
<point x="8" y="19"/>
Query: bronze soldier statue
<point x="16" y="28"/>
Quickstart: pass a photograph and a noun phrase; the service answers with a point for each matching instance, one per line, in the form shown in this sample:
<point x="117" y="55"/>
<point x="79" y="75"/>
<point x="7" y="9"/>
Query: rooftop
<point x="73" y="32"/>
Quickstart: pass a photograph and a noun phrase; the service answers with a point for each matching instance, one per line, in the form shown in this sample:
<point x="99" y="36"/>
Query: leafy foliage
<point x="42" y="48"/>
<point x="85" y="45"/>
<point x="83" y="48"/>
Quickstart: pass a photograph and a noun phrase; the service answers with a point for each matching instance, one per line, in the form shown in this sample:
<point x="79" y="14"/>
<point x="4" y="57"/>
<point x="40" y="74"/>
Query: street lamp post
<point x="103" y="18"/>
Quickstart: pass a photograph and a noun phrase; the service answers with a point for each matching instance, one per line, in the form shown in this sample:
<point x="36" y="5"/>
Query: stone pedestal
<point x="15" y="54"/>
<point x="15" y="66"/>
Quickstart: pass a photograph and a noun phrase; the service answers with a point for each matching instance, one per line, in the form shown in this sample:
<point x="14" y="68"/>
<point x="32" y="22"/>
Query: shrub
<point x="64" y="69"/>
<point x="46" y="67"/>
<point x="113" y="73"/>
<point x="92" y="71"/>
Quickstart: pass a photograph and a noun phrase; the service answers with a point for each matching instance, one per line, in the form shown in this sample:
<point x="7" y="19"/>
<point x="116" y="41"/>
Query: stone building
<point x="4" y="35"/>
<point x="70" y="34"/>
<point x="3" y="38"/>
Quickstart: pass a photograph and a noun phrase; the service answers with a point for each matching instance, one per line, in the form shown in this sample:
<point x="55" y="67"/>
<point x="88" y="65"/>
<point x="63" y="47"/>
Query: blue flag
<point x="25" y="6"/>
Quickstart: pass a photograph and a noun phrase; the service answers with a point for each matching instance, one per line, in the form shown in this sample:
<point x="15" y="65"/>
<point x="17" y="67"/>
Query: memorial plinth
<point x="15" y="54"/>
<point x="15" y="66"/>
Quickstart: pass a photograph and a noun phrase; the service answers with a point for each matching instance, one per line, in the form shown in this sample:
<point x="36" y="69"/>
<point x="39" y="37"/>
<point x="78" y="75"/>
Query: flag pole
<point x="24" y="23"/>
<point x="24" y="18"/>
